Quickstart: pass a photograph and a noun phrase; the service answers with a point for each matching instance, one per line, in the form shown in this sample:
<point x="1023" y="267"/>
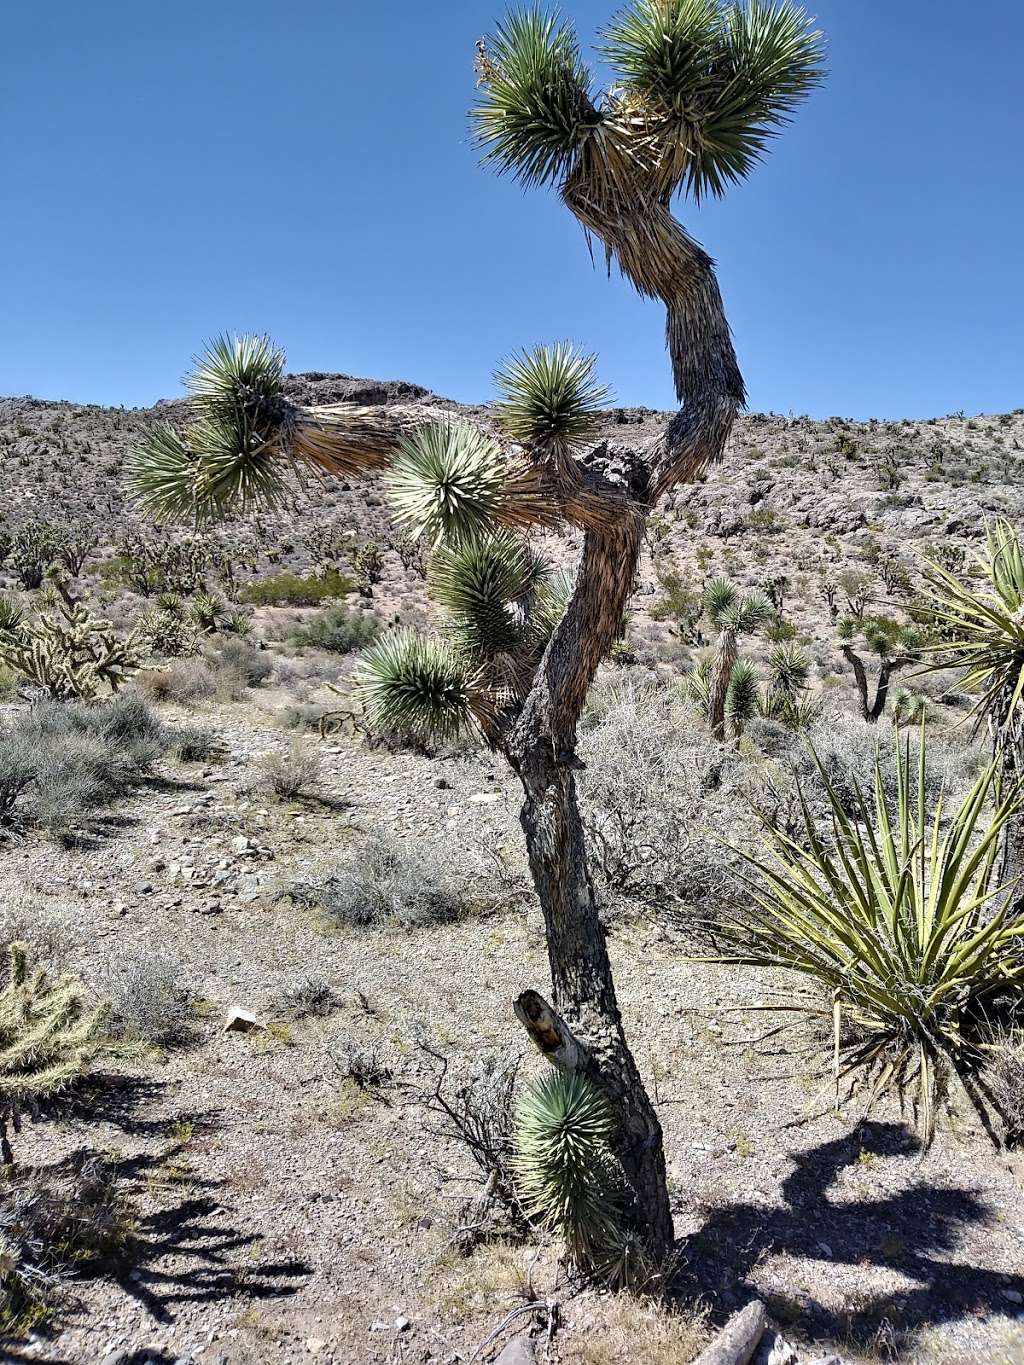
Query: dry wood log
<point x="738" y="1339"/>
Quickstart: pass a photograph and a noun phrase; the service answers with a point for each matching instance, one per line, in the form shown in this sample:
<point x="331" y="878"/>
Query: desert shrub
<point x="1005" y="1078"/>
<point x="679" y="604"/>
<point x="338" y="630"/>
<point x="52" y="931"/>
<point x="386" y="883"/>
<point x="19" y="765"/>
<point x="54" y="1224"/>
<point x="649" y="797"/>
<point x="194" y="743"/>
<point x="895" y="916"/>
<point x="237" y="666"/>
<point x="308" y="996"/>
<point x="847" y="750"/>
<point x="84" y="756"/>
<point x="289" y="589"/>
<point x="149" y="999"/>
<point x="305" y="715"/>
<point x="291" y="772"/>
<point x="183" y="681"/>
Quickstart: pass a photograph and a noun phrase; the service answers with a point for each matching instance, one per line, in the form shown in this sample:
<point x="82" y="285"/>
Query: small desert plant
<point x="148" y="998"/>
<point x="83" y="755"/>
<point x="291" y="772"/>
<point x="194" y="743"/>
<point x="48" y="1039"/>
<point x="309" y="996"/>
<point x="289" y="589"/>
<point x="337" y="629"/>
<point x="183" y="681"/>
<point x="53" y="1225"/>
<point x="567" y="1176"/>
<point x="237" y="666"/>
<point x="898" y="919"/>
<point x="389" y="883"/>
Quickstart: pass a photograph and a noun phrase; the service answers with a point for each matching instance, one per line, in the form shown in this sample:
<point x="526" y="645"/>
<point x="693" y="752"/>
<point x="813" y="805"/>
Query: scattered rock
<point x="519" y="1351"/>
<point x="241" y="1021"/>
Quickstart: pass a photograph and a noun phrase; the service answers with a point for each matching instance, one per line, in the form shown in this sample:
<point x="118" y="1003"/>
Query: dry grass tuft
<point x="625" y="1329"/>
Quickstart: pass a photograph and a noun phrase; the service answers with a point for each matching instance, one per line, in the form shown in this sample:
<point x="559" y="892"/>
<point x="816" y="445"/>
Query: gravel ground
<point x="283" y="1215"/>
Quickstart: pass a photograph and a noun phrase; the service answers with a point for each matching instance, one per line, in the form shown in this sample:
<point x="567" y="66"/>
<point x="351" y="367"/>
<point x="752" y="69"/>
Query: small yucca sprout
<point x="552" y="402"/>
<point x="410" y="684"/>
<point x="741" y="699"/>
<point x="11" y="615"/>
<point x="789" y="667"/>
<point x="567" y="1175"/>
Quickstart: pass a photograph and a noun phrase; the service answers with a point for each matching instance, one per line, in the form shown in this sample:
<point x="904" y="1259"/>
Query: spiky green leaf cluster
<point x="486" y="585"/>
<point x="980" y="624"/>
<point x="567" y="1176"/>
<point x="718" y="79"/>
<point x="230" y="454"/>
<point x="48" y="1037"/>
<point x="702" y="86"/>
<point x="535" y="111"/>
<point x="551" y="398"/>
<point x="413" y="685"/>
<point x="447" y="483"/>
<point x="741" y="699"/>
<point x="728" y="610"/>
<point x="894" y="911"/>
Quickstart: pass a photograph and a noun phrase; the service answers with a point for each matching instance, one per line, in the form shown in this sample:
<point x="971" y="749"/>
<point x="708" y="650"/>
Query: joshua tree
<point x="894" y="645"/>
<point x="701" y="87"/>
<point x="732" y="616"/>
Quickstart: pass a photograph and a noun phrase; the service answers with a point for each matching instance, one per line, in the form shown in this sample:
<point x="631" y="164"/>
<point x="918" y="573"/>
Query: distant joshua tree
<point x="700" y="88"/>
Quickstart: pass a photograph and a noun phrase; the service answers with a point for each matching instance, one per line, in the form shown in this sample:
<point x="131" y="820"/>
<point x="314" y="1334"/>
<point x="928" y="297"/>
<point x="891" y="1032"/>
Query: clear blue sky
<point x="173" y="170"/>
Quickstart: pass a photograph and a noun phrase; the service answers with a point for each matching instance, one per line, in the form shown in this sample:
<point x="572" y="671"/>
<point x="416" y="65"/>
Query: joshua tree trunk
<point x="584" y="1031"/>
<point x="871" y="710"/>
<point x="718" y="691"/>
<point x="585" y="1028"/>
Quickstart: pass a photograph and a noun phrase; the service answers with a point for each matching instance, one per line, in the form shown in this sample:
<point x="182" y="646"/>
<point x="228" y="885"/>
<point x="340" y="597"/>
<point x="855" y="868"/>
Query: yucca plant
<point x="895" y="916"/>
<point x="689" y="124"/>
<point x="566" y="1174"/>
<point x="732" y="615"/>
<point x="48" y="1038"/>
<point x="741" y="698"/>
<point x="979" y="627"/>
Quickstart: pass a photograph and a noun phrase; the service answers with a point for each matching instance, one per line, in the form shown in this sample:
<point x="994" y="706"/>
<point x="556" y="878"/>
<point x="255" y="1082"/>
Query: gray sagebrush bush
<point x="388" y="882"/>
<point x="290" y="772"/>
<point x="150" y="999"/>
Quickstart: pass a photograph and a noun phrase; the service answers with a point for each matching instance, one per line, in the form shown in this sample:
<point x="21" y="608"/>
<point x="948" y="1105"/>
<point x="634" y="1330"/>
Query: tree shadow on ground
<point x="910" y="1232"/>
<point x="187" y="1248"/>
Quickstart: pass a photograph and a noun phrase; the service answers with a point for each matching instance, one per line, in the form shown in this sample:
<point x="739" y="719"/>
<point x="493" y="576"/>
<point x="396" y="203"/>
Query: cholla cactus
<point x="47" y="1039"/>
<point x="68" y="650"/>
<point x="167" y="633"/>
<point x="32" y="549"/>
